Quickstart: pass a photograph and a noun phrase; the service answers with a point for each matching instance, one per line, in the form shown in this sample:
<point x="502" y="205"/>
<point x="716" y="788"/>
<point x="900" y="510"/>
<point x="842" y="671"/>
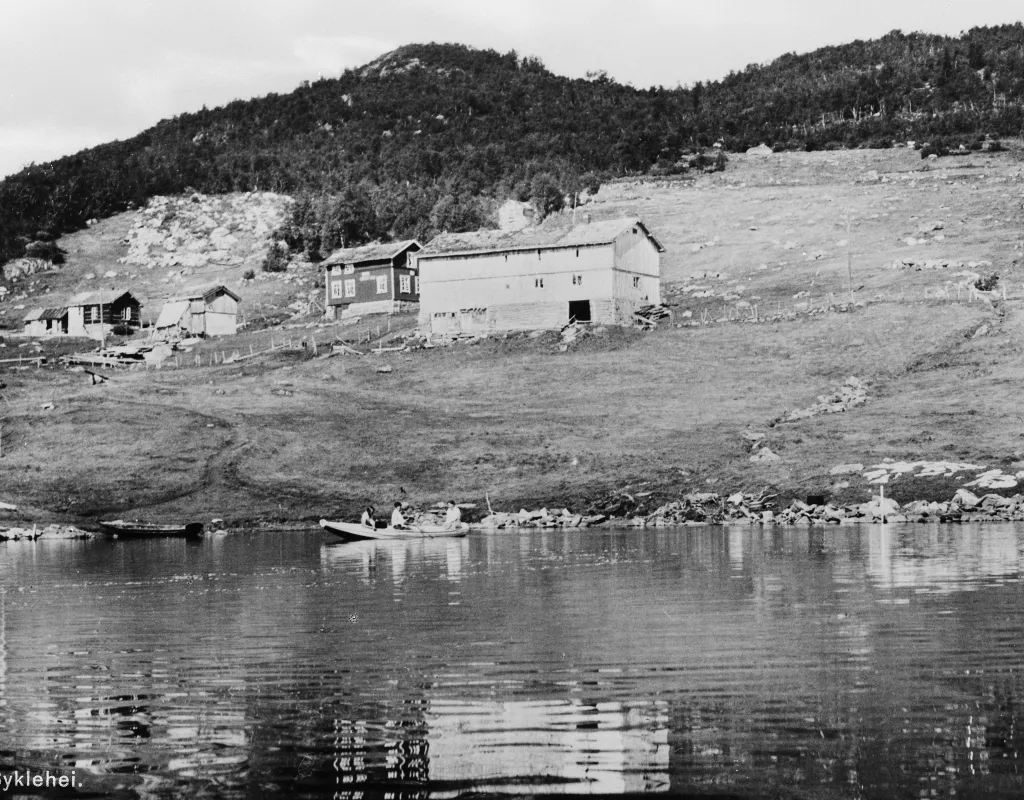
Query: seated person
<point x="452" y="517"/>
<point x="397" y="518"/>
<point x="367" y="520"/>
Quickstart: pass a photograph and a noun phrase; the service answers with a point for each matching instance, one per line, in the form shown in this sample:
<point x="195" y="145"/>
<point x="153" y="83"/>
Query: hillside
<point x="757" y="274"/>
<point x="427" y="137"/>
<point x="170" y="244"/>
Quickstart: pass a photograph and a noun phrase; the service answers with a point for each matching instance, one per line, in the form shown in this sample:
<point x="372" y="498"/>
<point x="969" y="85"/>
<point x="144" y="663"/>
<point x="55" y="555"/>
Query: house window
<point x="382" y="284"/>
<point x="126" y="315"/>
<point x="335" y="269"/>
<point x="350" y="287"/>
<point x="406" y="284"/>
<point x="636" y="282"/>
<point x="336" y="290"/>
<point x="538" y="283"/>
<point x="577" y="280"/>
<point x="350" y="268"/>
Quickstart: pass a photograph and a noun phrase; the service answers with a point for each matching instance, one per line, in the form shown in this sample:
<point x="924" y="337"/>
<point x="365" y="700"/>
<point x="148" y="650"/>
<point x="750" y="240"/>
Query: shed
<point x="201" y="311"/>
<point x="93" y="313"/>
<point x="46" y="321"/>
<point x="372" y="279"/>
<point x="541" y="277"/>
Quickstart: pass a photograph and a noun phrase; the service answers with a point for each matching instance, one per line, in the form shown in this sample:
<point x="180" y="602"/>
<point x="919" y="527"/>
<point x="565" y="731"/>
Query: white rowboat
<point x="352" y="531"/>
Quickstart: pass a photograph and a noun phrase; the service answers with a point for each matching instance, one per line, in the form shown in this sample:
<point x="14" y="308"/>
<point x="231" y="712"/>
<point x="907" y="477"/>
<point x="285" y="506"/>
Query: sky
<point x="77" y="73"/>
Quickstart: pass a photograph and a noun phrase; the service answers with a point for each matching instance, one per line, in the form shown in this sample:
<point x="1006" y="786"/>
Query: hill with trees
<point x="431" y="137"/>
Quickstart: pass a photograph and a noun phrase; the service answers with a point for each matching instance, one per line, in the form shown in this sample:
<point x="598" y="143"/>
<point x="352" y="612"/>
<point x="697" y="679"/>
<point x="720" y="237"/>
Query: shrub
<point x="47" y="250"/>
<point x="248" y="275"/>
<point x="984" y="284"/>
<point x="276" y="259"/>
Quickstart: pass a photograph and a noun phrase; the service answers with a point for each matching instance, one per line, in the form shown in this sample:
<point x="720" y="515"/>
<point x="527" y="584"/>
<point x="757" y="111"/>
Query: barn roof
<point x="206" y="292"/>
<point x="96" y="297"/>
<point x="370" y="252"/>
<point x="580" y="235"/>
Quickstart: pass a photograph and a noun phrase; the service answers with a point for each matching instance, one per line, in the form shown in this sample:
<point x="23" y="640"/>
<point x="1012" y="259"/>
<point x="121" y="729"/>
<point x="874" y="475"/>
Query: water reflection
<point x="830" y="662"/>
<point x="553" y="746"/>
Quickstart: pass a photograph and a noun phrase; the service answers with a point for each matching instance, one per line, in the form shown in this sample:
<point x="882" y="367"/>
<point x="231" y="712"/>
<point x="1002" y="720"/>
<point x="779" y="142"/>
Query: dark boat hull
<point x="120" y="527"/>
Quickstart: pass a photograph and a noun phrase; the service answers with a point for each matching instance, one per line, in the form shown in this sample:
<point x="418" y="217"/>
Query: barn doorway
<point x="579" y="310"/>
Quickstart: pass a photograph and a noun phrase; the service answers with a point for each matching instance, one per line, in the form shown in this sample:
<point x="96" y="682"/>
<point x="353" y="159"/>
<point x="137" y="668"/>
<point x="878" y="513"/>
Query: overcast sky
<point x="76" y="73"/>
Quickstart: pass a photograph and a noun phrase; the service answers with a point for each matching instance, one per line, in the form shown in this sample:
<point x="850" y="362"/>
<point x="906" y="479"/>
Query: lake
<point x="862" y="662"/>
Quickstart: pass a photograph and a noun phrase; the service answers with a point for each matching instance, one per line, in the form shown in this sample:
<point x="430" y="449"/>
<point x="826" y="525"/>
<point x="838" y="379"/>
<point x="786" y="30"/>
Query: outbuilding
<point x="46" y="321"/>
<point x="200" y="311"/>
<point x="92" y="313"/>
<point x="538" y="277"/>
<point x="372" y="279"/>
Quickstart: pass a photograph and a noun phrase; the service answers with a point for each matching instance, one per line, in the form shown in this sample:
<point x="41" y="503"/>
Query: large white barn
<point x="539" y="277"/>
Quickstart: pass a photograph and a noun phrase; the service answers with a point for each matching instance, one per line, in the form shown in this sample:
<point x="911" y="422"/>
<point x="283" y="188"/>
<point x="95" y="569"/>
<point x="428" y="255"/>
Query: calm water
<point x="847" y="662"/>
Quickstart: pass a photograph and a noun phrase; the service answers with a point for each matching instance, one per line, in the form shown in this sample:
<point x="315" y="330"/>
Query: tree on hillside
<point x="545" y="194"/>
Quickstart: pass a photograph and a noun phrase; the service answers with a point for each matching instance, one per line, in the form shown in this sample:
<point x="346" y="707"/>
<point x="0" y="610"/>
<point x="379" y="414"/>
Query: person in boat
<point x="397" y="518"/>
<point x="452" y="517"/>
<point x="367" y="520"/>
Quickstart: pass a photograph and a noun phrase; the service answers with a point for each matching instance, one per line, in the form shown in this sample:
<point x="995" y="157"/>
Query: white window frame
<point x="382" y="284"/>
<point x="405" y="281"/>
<point x="350" y="269"/>
<point x="350" y="287"/>
<point x="337" y="290"/>
<point x="126" y="314"/>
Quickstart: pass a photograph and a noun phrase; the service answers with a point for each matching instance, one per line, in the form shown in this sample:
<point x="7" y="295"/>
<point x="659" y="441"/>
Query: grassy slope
<point x="660" y="412"/>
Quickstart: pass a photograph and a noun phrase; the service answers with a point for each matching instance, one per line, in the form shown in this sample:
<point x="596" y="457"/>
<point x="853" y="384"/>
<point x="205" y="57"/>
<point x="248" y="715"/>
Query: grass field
<point x="652" y="415"/>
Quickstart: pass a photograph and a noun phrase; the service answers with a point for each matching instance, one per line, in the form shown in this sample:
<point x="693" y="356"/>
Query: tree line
<point x="432" y="137"/>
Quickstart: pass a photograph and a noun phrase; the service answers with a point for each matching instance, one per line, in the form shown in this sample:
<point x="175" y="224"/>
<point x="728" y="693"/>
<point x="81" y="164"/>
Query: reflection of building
<point x="566" y="746"/>
<point x="941" y="559"/>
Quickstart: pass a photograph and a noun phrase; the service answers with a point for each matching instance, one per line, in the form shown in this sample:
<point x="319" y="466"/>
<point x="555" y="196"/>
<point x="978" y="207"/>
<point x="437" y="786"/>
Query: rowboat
<point x="120" y="527"/>
<point x="353" y="531"/>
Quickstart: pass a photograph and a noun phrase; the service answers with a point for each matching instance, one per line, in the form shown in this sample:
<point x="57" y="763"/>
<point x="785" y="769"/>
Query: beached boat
<point x="120" y="527"/>
<point x="352" y="531"/>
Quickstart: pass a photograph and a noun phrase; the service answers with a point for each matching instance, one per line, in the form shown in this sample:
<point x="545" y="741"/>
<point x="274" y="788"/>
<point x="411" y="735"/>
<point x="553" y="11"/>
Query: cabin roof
<point x="582" y="234"/>
<point x="206" y="292"/>
<point x="94" y="298"/>
<point x="377" y="251"/>
<point x="45" y="313"/>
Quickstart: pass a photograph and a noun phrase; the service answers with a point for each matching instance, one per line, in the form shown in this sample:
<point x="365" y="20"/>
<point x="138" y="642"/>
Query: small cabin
<point x="94" y="313"/>
<point x="372" y="279"/>
<point x="46" y="321"/>
<point x="203" y="311"/>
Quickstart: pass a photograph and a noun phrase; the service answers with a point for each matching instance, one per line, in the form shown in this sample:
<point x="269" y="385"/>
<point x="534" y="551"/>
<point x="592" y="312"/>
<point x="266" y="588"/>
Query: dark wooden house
<point x="372" y="279"/>
<point x="87" y="311"/>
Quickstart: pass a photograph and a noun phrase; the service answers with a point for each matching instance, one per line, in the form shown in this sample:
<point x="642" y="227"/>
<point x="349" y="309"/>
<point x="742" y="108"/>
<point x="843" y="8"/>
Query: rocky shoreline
<point x="711" y="508"/>
<point x="50" y="532"/>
